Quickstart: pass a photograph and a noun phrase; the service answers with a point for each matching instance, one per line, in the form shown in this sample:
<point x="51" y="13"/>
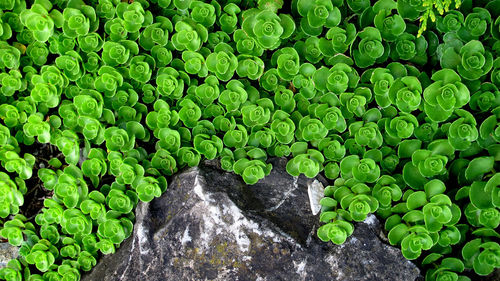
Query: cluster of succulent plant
<point x="403" y="121"/>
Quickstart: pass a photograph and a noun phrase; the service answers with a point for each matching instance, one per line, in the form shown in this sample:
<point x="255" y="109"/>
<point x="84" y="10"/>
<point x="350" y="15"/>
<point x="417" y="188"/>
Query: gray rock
<point x="209" y="225"/>
<point x="7" y="252"/>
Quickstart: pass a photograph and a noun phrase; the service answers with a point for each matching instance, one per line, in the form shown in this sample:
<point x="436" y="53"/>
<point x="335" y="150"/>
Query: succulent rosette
<point x="369" y="48"/>
<point x="406" y="93"/>
<point x="267" y="28"/>
<point x="475" y="24"/>
<point x="476" y="62"/>
<point x="316" y="14"/>
<point x="390" y="24"/>
<point x="446" y="94"/>
<point x="222" y="62"/>
<point x="37" y="20"/>
<point x="337" y="40"/>
<point x="189" y="36"/>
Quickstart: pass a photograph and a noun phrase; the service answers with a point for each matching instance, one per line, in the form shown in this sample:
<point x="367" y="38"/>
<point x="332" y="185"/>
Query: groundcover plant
<point x="396" y="102"/>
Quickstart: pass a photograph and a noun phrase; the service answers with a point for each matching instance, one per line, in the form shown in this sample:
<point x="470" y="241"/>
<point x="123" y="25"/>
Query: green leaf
<point x="416" y="200"/>
<point x="479" y="166"/>
<point x="479" y="197"/>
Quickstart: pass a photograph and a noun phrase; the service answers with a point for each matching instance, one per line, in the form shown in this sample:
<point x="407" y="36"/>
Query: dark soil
<point x="33" y="199"/>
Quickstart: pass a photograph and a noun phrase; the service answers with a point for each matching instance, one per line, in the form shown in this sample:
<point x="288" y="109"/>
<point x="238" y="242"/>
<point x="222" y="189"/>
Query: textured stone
<point x="209" y="225"/>
<point x="7" y="252"/>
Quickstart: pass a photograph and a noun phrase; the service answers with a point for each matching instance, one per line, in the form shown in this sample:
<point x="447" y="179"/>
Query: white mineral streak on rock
<point x="332" y="260"/>
<point x="370" y="219"/>
<point x="300" y="269"/>
<point x="147" y="268"/>
<point x="185" y="236"/>
<point x="141" y="231"/>
<point x="228" y="219"/>
<point x="198" y="189"/>
<point x="124" y="271"/>
<point x="285" y="196"/>
<point x="315" y="190"/>
<point x="296" y="182"/>
<point x="352" y="240"/>
<point x="223" y="216"/>
<point x="140" y="238"/>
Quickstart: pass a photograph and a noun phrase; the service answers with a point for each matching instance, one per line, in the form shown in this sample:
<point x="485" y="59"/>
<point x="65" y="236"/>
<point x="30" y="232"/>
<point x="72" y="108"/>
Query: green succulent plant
<point x="471" y="60"/>
<point x="250" y="67"/>
<point x="406" y="93"/>
<point x="251" y="170"/>
<point x="38" y="20"/>
<point x="11" y="82"/>
<point x="115" y="230"/>
<point x="446" y="94"/>
<point x="222" y="62"/>
<point x="133" y="15"/>
<point x="189" y="36"/>
<point x="394" y="103"/>
<point x="308" y="162"/>
<point x="42" y="255"/>
<point x="13" y="229"/>
<point x="169" y="83"/>
<point x="354" y="198"/>
<point x="229" y="19"/>
<point x="11" y="197"/>
<point x="317" y="14"/>
<point x="369" y="48"/>
<point x="336" y="231"/>
<point x="76" y="23"/>
<point x="267" y="28"/>
<point x="481" y="256"/>
<point x="413" y="240"/>
<point x="13" y="270"/>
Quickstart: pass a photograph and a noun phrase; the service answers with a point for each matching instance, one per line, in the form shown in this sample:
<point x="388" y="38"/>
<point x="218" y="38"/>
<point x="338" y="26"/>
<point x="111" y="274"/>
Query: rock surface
<point x="7" y="252"/>
<point x="210" y="226"/>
